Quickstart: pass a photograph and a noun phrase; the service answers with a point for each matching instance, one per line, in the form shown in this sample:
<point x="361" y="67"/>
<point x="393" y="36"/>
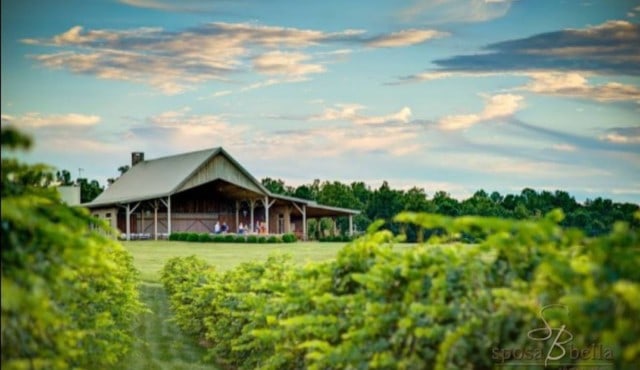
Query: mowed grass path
<point x="160" y="345"/>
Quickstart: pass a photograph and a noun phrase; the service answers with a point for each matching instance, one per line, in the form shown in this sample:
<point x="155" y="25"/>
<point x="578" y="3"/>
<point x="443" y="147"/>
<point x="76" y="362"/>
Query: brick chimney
<point x="137" y="157"/>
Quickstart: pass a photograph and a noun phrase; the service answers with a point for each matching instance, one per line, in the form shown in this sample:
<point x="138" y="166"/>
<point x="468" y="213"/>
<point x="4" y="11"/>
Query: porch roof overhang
<point x="313" y="209"/>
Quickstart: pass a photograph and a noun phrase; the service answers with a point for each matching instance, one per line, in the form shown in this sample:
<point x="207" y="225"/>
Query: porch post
<point x="266" y="213"/>
<point x="350" y="225"/>
<point x="304" y="222"/>
<point x="141" y="220"/>
<point x="128" y="221"/>
<point x="155" y="220"/>
<point x="129" y="211"/>
<point x="168" y="215"/>
<point x="287" y="220"/>
<point x="252" y="204"/>
<point x="237" y="215"/>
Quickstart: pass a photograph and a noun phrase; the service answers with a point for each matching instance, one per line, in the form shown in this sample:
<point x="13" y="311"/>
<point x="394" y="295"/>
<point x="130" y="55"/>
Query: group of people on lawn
<point x="260" y="228"/>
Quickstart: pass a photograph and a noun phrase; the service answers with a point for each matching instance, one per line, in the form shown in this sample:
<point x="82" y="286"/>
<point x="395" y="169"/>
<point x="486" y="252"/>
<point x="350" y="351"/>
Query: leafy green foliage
<point x="193" y="237"/>
<point x="69" y="293"/>
<point x="440" y="305"/>
<point x="204" y="238"/>
<point x="289" y="238"/>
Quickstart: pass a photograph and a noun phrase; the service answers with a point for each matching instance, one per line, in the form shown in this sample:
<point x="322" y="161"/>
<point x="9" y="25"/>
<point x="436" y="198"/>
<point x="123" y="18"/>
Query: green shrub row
<point x="232" y="238"/>
<point x="69" y="294"/>
<point x="336" y="238"/>
<point x="440" y="305"/>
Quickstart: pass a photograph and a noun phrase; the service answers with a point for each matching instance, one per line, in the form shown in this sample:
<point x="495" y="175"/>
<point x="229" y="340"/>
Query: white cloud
<point x="496" y="106"/>
<point x="439" y="75"/>
<point x="174" y="62"/>
<point x="449" y="11"/>
<point x="564" y="147"/>
<point x="285" y="63"/>
<point x="574" y="84"/>
<point x="622" y="135"/>
<point x="405" y="38"/>
<point x="350" y="112"/>
<point x="38" y="120"/>
<point x="172" y="5"/>
<point x="186" y="131"/>
<point x="546" y="82"/>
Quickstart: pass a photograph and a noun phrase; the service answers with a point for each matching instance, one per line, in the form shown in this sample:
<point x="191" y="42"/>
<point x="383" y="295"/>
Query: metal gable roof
<point x="153" y="178"/>
<point x="164" y="176"/>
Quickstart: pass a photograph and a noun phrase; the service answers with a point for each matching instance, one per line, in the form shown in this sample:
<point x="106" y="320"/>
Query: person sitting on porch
<point x="225" y="228"/>
<point x="241" y="228"/>
<point x="216" y="228"/>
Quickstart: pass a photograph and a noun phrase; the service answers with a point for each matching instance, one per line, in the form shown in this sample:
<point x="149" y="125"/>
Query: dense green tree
<point x="64" y="178"/>
<point x="89" y="190"/>
<point x="123" y="169"/>
<point x="274" y="186"/>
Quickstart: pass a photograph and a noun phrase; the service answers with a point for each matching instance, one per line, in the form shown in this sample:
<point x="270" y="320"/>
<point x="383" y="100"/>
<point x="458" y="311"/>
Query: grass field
<point x="150" y="256"/>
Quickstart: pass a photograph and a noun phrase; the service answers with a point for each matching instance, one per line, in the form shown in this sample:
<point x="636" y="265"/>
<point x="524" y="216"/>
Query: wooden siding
<point x="221" y="168"/>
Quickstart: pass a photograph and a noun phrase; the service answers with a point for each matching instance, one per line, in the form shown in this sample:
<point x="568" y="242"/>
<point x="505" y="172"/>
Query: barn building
<point x="190" y="192"/>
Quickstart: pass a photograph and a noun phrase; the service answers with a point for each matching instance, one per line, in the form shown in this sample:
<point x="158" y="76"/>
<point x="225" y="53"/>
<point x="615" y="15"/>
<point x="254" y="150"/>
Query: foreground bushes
<point x="439" y="305"/>
<point x="69" y="295"/>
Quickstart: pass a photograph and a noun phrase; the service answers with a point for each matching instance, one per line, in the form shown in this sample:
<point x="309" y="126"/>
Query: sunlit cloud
<point x="173" y="5"/>
<point x="183" y="130"/>
<point x="38" y="120"/>
<point x="175" y="62"/>
<point x="453" y="11"/>
<point x="350" y="112"/>
<point x="611" y="47"/>
<point x="564" y="147"/>
<point x="574" y="84"/>
<point x="496" y="107"/>
<point x="285" y="63"/>
<point x="405" y="38"/>
<point x="622" y="135"/>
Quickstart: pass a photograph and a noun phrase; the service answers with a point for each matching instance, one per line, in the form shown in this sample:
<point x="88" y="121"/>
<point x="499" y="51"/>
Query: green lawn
<point x="150" y="256"/>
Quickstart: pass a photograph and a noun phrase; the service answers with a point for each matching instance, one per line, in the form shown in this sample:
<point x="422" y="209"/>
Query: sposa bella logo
<point x="556" y="346"/>
<point x="546" y="333"/>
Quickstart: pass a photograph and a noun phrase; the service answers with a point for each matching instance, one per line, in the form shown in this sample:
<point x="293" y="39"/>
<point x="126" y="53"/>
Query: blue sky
<point x="453" y="95"/>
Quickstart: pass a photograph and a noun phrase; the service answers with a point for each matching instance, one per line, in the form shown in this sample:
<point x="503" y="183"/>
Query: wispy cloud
<point x="350" y="112"/>
<point x="574" y="84"/>
<point x="173" y="5"/>
<point x="37" y="120"/>
<point x="405" y="38"/>
<point x="496" y="106"/>
<point x="174" y="62"/>
<point x="453" y="11"/>
<point x="611" y="47"/>
<point x="622" y="135"/>
<point x="285" y="63"/>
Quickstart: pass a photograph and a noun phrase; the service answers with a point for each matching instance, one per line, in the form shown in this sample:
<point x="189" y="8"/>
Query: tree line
<point x="594" y="216"/>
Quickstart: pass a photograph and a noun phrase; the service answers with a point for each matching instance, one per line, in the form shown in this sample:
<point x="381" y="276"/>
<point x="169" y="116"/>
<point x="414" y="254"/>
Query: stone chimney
<point x="136" y="157"/>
